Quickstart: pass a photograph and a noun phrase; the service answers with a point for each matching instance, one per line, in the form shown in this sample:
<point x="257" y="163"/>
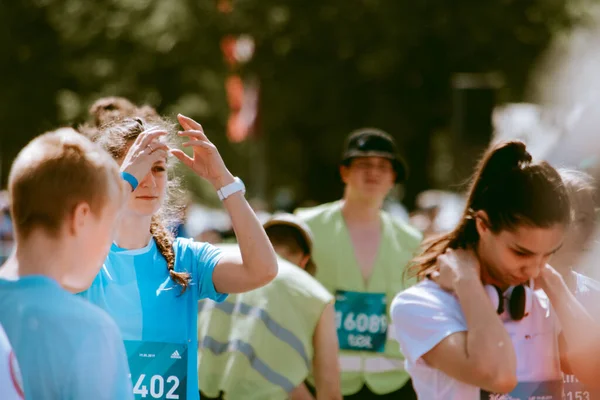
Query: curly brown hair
<point x="115" y="137"/>
<point x="106" y="110"/>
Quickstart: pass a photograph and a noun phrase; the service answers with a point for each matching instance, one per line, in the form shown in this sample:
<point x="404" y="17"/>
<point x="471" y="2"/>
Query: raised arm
<point x="483" y="356"/>
<point x="256" y="265"/>
<point x="480" y="353"/>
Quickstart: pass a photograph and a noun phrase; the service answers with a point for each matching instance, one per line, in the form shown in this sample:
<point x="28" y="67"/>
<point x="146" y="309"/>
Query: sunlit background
<point x="278" y="85"/>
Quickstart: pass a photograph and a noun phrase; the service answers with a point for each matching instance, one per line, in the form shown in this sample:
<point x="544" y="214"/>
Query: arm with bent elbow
<point x="580" y="337"/>
<point x="257" y="264"/>
<point x="482" y="356"/>
<point x="326" y="369"/>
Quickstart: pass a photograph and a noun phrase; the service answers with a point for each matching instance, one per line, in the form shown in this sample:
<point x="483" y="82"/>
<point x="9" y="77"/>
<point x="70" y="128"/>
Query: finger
<point x="150" y="135"/>
<point x="194" y="134"/>
<point x="156" y="146"/>
<point x="141" y="136"/>
<point x="188" y="123"/>
<point x="162" y="151"/>
<point x="198" y="143"/>
<point x="184" y="158"/>
<point x="153" y="148"/>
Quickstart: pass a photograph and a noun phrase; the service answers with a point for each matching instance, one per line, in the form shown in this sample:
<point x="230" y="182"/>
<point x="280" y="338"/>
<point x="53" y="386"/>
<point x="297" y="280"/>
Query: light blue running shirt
<point x="135" y="288"/>
<point x="67" y="349"/>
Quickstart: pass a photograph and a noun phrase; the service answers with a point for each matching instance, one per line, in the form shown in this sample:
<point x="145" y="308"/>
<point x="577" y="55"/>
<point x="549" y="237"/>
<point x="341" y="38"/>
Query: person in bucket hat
<point x="371" y="142"/>
<point x="361" y="252"/>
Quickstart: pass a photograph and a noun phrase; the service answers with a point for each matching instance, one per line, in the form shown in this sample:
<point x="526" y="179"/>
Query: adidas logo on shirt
<point x="176" y="355"/>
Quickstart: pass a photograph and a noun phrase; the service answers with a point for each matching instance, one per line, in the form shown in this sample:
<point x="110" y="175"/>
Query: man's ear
<point x="78" y="218"/>
<point x="344" y="173"/>
<point x="304" y="261"/>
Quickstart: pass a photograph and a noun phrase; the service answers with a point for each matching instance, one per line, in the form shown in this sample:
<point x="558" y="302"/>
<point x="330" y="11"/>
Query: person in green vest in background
<point x="362" y="253"/>
<point x="262" y="345"/>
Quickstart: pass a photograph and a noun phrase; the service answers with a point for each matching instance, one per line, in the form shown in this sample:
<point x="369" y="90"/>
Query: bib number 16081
<point x="361" y="322"/>
<point x="157" y="387"/>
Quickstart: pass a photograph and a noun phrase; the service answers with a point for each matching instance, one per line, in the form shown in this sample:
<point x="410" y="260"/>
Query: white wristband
<point x="236" y="186"/>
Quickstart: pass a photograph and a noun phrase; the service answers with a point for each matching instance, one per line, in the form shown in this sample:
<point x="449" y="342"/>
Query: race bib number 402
<point x="361" y="320"/>
<point x="158" y="370"/>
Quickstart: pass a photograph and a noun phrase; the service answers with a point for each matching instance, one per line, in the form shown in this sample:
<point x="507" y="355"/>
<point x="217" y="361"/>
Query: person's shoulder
<point x="187" y="249"/>
<point x="89" y="314"/>
<point x="585" y="284"/>
<point x="317" y="213"/>
<point x="405" y="231"/>
<point x="426" y="307"/>
<point x="189" y="244"/>
<point x="182" y="244"/>
<point x="588" y="293"/>
<point x="425" y="294"/>
<point x="295" y="280"/>
<point x="75" y="319"/>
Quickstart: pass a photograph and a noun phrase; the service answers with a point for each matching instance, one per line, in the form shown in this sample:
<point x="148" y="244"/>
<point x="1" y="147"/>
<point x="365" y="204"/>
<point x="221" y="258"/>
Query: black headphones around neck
<point x="519" y="300"/>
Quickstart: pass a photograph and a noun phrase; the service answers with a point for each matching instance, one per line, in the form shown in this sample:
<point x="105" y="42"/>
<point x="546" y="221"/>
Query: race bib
<point x="575" y="390"/>
<point x="158" y="370"/>
<point x="552" y="390"/>
<point x="361" y="320"/>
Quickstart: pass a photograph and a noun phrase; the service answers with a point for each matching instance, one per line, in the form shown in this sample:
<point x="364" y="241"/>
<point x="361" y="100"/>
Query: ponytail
<point x="512" y="190"/>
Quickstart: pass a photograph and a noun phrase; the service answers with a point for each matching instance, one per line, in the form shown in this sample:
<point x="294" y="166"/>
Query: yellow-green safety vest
<point x="258" y="345"/>
<point x="337" y="269"/>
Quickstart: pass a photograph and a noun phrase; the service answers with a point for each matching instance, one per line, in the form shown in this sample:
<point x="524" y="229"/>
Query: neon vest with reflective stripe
<point x="258" y="345"/>
<point x="338" y="270"/>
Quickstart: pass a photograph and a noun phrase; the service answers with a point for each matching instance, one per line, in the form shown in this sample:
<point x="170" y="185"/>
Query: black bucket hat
<point x="371" y="142"/>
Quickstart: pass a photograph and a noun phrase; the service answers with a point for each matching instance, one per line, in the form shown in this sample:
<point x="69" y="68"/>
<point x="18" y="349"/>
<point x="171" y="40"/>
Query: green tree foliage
<point x="325" y="68"/>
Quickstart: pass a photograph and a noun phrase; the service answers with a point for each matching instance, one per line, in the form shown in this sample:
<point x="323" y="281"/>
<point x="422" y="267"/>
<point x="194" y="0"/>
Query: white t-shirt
<point x="588" y="294"/>
<point x="10" y="375"/>
<point x="425" y="314"/>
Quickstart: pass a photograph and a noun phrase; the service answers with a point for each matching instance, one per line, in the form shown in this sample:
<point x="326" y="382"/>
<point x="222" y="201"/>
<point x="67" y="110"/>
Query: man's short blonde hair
<point x="53" y="174"/>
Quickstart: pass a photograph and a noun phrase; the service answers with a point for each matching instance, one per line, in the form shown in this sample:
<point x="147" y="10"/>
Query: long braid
<point x="164" y="242"/>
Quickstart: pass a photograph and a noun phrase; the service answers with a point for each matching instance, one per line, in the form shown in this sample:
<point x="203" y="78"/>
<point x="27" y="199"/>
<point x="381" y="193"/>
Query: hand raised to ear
<point x="453" y="265"/>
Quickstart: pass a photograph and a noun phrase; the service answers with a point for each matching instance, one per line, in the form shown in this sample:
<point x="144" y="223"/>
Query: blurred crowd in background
<point x="278" y="86"/>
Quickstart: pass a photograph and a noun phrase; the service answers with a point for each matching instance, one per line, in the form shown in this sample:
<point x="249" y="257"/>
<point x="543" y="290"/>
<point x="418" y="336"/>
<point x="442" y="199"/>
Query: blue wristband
<point x="130" y="179"/>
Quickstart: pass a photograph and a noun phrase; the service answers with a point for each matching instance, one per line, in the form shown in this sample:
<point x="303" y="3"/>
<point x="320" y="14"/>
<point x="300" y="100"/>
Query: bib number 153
<point x="156" y="386"/>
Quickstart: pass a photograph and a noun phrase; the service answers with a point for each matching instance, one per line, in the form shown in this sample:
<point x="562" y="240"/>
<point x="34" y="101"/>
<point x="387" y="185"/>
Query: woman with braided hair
<point x="150" y="282"/>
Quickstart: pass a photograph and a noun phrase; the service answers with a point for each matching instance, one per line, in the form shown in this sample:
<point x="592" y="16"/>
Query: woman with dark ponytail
<point x="474" y="326"/>
<point x="150" y="282"/>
